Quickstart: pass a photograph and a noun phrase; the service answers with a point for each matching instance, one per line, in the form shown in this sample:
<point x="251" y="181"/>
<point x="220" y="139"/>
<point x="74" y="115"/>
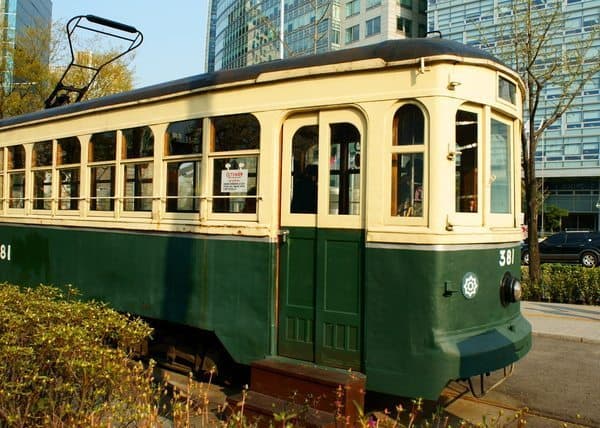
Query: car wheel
<point x="525" y="258"/>
<point x="589" y="260"/>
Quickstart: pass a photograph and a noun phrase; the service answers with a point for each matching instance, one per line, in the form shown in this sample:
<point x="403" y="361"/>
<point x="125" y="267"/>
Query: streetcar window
<point x="42" y="154"/>
<point x="184" y="137"/>
<point x="501" y="170"/>
<point x="102" y="171"/>
<point x="236" y="132"/>
<point x="184" y="162"/>
<point x="344" y="172"/>
<point x="305" y="170"/>
<point x="42" y="175"/>
<point x="467" y="133"/>
<point x="138" y="175"/>
<point x="16" y="176"/>
<point x="1" y="176"/>
<point x="507" y="90"/>
<point x="234" y="179"/>
<point x="408" y="193"/>
<point x="68" y="158"/>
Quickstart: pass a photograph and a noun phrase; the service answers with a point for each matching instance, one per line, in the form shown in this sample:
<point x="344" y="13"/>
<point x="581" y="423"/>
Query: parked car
<point x="567" y="247"/>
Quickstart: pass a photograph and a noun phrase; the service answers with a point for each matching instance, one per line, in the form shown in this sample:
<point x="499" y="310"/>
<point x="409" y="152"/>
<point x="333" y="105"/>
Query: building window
<point x="184" y="163"/>
<point x="404" y="25"/>
<point x="138" y="153"/>
<point x="68" y="162"/>
<point x="373" y="3"/>
<point x="102" y="161"/>
<point x="406" y="4"/>
<point x="234" y="155"/>
<point x="41" y="166"/>
<point x="466" y="158"/>
<point x="374" y="26"/>
<point x="16" y="176"/>
<point x="352" y="34"/>
<point x="352" y="8"/>
<point x="408" y="150"/>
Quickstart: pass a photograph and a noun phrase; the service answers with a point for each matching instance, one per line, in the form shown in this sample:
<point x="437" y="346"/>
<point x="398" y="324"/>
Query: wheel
<point x="525" y="258"/>
<point x="589" y="260"/>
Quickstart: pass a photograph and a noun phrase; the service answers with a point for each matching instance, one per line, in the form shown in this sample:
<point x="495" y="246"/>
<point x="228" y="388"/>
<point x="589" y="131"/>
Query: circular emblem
<point x="470" y="284"/>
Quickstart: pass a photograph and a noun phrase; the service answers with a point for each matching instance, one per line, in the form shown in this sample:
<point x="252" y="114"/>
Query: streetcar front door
<point x="322" y="239"/>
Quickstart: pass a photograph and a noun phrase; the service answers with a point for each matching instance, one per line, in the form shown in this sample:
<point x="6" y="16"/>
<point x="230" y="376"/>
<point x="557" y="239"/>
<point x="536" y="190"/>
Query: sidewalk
<point x="571" y="322"/>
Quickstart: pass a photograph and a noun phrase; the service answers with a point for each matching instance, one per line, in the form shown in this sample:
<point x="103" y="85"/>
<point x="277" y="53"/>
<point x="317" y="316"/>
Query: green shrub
<point x="64" y="362"/>
<point x="564" y="284"/>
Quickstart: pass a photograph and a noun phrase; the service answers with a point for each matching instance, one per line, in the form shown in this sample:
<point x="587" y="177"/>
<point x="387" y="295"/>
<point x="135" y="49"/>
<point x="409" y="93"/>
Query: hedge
<point x="563" y="284"/>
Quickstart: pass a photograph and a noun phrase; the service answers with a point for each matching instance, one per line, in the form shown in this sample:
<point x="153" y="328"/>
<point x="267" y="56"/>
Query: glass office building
<point x="568" y="156"/>
<point x="15" y="15"/>
<point x="246" y="32"/>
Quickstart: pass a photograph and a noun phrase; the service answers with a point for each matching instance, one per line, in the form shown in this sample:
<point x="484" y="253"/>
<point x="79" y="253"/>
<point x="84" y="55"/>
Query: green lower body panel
<point x="421" y="331"/>
<point x="223" y="285"/>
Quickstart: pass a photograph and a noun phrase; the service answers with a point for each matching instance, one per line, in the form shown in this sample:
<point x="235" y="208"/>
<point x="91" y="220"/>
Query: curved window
<point x="344" y="170"/>
<point x="42" y="175"/>
<point x="184" y="160"/>
<point x="16" y="176"/>
<point x="102" y="160"/>
<point x="234" y="155"/>
<point x="408" y="191"/>
<point x="68" y="162"/>
<point x="138" y="168"/>
<point x="305" y="170"/>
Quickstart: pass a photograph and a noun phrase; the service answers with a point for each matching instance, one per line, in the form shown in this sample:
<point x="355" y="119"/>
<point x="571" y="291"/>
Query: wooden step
<point x="332" y="390"/>
<point x="261" y="409"/>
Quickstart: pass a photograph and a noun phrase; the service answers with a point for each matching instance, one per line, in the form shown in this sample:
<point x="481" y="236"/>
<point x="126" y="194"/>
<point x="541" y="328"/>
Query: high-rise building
<point x="568" y="156"/>
<point x="246" y="32"/>
<point x="16" y="15"/>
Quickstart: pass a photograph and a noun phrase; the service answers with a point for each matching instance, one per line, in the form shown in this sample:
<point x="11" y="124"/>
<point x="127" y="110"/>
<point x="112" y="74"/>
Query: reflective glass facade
<point x="15" y="15"/>
<point x="568" y="157"/>
<point x="245" y="32"/>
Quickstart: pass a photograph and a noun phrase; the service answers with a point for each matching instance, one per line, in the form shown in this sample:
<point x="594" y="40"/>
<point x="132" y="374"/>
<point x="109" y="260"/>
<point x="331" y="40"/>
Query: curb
<point x="578" y="339"/>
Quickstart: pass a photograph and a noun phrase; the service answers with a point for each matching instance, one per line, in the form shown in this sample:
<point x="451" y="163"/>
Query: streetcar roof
<point x="390" y="51"/>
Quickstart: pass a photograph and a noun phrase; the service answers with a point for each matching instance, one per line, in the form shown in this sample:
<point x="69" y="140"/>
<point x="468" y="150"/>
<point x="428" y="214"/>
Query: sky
<point x="174" y="33"/>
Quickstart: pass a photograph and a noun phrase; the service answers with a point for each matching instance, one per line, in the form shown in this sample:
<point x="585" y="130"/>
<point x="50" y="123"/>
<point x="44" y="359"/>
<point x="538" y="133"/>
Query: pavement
<point x="568" y="322"/>
<point x="579" y="323"/>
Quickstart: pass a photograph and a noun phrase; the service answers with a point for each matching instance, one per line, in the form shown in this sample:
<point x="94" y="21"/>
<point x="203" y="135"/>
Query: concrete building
<point x="568" y="157"/>
<point x="246" y="32"/>
<point x="14" y="16"/>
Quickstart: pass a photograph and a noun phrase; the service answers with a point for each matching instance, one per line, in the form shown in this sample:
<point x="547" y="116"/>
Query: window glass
<point x="68" y="193"/>
<point x="184" y="138"/>
<point x="407" y="184"/>
<point x="373" y="26"/>
<point x="501" y="171"/>
<point x="42" y="154"/>
<point x="103" y="147"/>
<point x="183" y="186"/>
<point x="507" y="90"/>
<point x="234" y="184"/>
<point x="16" y="177"/>
<point x="138" y="143"/>
<point x="466" y="161"/>
<point x="305" y="170"/>
<point x="138" y="187"/>
<point x="344" y="170"/>
<point x="42" y="190"/>
<point x="409" y="124"/>
<point x="69" y="151"/>
<point x="102" y="188"/>
<point x="236" y="132"/>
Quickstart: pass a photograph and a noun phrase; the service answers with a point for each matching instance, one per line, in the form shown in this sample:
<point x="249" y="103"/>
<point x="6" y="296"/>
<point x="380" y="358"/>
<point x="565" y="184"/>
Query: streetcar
<point x="358" y="209"/>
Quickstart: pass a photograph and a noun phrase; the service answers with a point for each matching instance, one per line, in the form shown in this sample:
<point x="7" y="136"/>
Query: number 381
<point x="507" y="257"/>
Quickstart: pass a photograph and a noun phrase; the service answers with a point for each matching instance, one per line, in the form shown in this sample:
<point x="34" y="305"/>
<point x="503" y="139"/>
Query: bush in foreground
<point x="67" y="363"/>
<point x="564" y="284"/>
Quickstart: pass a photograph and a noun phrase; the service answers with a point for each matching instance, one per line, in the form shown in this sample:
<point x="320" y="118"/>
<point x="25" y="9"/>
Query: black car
<point x="567" y="247"/>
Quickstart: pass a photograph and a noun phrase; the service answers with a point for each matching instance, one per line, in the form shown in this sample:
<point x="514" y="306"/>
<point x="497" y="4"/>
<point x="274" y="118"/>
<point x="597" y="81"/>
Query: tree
<point x="554" y="217"/>
<point x="531" y="37"/>
<point x="32" y="80"/>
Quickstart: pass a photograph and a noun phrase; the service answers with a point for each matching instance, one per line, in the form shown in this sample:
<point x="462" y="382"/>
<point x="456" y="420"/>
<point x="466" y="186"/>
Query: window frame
<point x="59" y="167"/>
<point x="393" y="150"/>
<point x="92" y="165"/>
<point x="123" y="162"/>
<point x="43" y="168"/>
<point x="9" y="172"/>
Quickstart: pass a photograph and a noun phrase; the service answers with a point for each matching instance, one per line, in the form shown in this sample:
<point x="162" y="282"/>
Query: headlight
<point x="510" y="289"/>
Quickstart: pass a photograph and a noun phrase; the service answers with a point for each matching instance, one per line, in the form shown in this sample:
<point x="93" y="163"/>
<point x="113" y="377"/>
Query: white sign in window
<point x="234" y="180"/>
